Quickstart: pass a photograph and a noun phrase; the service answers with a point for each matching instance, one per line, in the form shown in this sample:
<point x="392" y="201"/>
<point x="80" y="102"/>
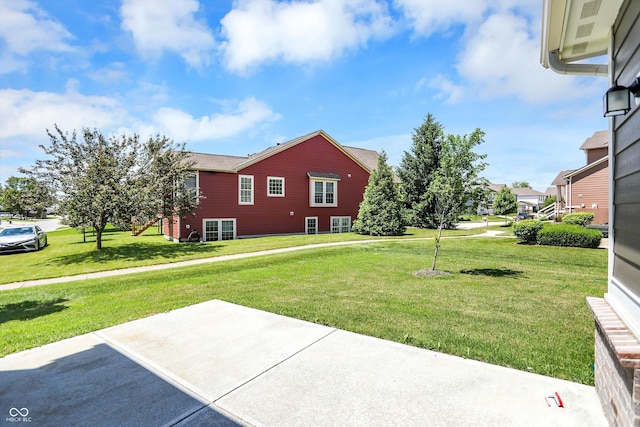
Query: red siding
<point x="272" y="215"/>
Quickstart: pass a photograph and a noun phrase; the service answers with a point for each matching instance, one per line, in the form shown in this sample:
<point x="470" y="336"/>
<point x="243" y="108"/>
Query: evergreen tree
<point x="380" y="212"/>
<point x="416" y="171"/>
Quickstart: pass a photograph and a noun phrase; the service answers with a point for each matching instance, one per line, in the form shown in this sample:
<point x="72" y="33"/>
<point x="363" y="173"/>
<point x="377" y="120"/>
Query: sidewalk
<point x="220" y="364"/>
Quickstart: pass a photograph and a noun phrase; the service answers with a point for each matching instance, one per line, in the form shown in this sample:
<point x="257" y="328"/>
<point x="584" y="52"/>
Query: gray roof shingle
<point x="599" y="139"/>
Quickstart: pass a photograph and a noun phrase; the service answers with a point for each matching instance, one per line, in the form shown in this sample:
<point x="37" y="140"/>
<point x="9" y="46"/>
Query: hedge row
<point x="569" y="235"/>
<point x="579" y="218"/>
<point x="533" y="231"/>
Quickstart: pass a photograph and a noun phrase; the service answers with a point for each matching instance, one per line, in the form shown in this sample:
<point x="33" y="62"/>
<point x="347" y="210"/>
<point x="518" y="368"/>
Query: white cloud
<point x="259" y="31"/>
<point x="499" y="58"/>
<point x="159" y="25"/>
<point x="27" y="114"/>
<point x="182" y="126"/>
<point x="25" y="28"/>
<point x="111" y="73"/>
<point x="447" y="89"/>
<point x="502" y="59"/>
<point x="431" y="16"/>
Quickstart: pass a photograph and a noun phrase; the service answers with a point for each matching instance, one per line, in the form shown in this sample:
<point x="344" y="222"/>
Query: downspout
<point x="570" y="195"/>
<point x="561" y="67"/>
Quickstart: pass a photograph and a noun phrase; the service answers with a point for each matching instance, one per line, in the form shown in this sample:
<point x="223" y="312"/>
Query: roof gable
<point x="600" y="139"/>
<point x="367" y="159"/>
<point x="271" y="151"/>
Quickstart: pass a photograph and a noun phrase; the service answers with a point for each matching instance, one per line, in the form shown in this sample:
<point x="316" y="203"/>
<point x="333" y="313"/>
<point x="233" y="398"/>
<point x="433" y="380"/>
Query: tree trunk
<point x="98" y="238"/>
<point x="435" y="253"/>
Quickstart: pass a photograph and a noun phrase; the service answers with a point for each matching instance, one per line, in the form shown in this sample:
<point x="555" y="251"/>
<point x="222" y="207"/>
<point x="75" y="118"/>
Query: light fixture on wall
<point x="617" y="100"/>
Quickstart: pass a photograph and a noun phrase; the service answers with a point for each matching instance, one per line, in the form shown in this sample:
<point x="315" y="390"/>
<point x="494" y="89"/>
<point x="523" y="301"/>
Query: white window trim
<point x="203" y="234"/>
<point x="197" y="188"/>
<point x="240" y="202"/>
<point x="269" y="178"/>
<point x="340" y="218"/>
<point x="312" y="190"/>
<point x="306" y="224"/>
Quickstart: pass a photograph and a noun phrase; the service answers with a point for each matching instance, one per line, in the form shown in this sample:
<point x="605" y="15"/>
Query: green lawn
<point x="68" y="253"/>
<point x="504" y="303"/>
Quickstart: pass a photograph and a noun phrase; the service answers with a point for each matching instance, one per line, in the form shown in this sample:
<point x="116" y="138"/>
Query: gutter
<point x="562" y="67"/>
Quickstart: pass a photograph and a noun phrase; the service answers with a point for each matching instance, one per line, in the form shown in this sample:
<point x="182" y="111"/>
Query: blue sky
<point x="235" y="77"/>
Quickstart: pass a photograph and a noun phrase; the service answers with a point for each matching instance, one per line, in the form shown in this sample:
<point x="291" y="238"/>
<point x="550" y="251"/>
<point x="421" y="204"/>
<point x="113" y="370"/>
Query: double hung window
<point x="245" y="189"/>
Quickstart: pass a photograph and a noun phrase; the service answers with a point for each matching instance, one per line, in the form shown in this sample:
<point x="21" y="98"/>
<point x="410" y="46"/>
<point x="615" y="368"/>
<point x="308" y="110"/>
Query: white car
<point x="22" y="238"/>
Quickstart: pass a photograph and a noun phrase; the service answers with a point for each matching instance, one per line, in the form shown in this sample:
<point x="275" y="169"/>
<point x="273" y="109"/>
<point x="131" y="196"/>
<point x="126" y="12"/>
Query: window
<point x="219" y="229"/>
<point x="340" y="224"/>
<point x="311" y="225"/>
<point x="245" y="189"/>
<point x="191" y="183"/>
<point x="275" y="186"/>
<point x="324" y="193"/>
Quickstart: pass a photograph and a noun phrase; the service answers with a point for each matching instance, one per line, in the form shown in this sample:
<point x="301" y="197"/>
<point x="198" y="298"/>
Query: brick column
<point x="617" y="366"/>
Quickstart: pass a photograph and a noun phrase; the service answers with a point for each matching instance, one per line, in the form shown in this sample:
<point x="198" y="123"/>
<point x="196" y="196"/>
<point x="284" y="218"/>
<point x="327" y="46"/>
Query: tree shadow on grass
<point x="27" y="310"/>
<point x="493" y="272"/>
<point x="136" y="252"/>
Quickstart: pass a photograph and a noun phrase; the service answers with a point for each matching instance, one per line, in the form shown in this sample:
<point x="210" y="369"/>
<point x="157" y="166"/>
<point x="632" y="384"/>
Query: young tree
<point x="416" y="171"/>
<point x="504" y="202"/>
<point x="381" y="212"/>
<point x="456" y="180"/>
<point x="94" y="176"/>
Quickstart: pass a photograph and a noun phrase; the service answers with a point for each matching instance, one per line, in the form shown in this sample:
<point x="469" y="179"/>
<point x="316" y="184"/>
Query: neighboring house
<point x="309" y="185"/>
<point x="587" y="189"/>
<point x="575" y="31"/>
<point x="494" y="189"/>
<point x="529" y="200"/>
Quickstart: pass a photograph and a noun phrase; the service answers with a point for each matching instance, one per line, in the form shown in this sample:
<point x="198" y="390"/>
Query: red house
<point x="309" y="185"/>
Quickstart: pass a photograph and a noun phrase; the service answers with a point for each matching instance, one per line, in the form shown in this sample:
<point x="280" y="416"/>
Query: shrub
<point x="580" y="218"/>
<point x="569" y="235"/>
<point x="527" y="230"/>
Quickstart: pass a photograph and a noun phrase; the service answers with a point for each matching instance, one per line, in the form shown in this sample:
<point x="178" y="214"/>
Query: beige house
<point x="578" y="30"/>
<point x="587" y="189"/>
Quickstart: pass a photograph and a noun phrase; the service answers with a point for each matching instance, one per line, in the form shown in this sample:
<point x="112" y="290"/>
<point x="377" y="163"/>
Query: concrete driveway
<point x="220" y="364"/>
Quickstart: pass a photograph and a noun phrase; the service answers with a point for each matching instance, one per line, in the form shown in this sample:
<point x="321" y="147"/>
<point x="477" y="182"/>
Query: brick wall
<point x="617" y="366"/>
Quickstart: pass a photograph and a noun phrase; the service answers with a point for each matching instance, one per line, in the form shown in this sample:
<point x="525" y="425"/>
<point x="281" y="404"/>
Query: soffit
<point x="578" y="29"/>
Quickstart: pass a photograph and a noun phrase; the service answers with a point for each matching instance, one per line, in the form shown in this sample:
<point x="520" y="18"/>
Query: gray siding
<point x="626" y="153"/>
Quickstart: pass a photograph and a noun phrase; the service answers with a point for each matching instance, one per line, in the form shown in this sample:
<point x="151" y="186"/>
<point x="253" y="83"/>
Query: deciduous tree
<point x="93" y="175"/>
<point x="504" y="202"/>
<point x="456" y="181"/>
<point x="25" y="196"/>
